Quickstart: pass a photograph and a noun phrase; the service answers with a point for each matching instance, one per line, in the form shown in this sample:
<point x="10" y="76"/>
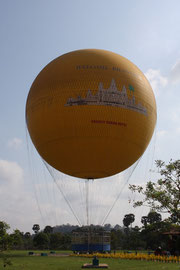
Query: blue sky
<point x="35" y="32"/>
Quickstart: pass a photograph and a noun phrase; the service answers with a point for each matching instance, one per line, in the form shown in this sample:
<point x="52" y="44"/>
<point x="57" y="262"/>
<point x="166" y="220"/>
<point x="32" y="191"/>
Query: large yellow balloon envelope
<point x="91" y="113"/>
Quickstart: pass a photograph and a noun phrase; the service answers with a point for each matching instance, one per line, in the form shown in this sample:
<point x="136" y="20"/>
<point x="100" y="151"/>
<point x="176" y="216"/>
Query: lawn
<point x="21" y="260"/>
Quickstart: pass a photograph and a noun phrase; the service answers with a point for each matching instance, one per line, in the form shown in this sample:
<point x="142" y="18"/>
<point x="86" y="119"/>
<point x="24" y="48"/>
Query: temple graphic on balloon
<point x="109" y="97"/>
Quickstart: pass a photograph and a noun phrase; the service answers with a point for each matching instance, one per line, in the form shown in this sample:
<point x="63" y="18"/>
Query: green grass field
<point x="22" y="261"/>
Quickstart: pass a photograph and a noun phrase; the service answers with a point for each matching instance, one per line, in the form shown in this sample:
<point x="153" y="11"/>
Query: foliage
<point x="154" y="217"/>
<point x="48" y="229"/>
<point x="149" y="236"/>
<point x="27" y="235"/>
<point x="144" y="220"/>
<point x="56" y="240"/>
<point x="117" y="239"/>
<point x="3" y="228"/>
<point x="66" y="242"/>
<point x="163" y="196"/>
<point x="28" y="241"/>
<point x="41" y="240"/>
<point x="17" y="239"/>
<point x="128" y="219"/>
<point x="151" y="218"/>
<point x="36" y="228"/>
<point x="4" y="237"/>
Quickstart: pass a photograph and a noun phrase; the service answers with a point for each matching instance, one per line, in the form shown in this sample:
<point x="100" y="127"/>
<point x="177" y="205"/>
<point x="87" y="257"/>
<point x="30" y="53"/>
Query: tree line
<point x="150" y="235"/>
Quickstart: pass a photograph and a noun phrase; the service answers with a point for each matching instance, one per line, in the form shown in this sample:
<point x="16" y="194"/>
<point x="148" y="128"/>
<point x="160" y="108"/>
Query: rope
<point x="31" y="170"/>
<point x="118" y="196"/>
<point x="65" y="198"/>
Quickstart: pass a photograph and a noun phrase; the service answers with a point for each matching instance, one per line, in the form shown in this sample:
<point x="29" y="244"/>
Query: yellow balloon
<point x="91" y="113"/>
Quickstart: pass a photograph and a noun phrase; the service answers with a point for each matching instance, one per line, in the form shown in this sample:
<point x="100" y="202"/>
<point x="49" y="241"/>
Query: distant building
<point x="109" y="97"/>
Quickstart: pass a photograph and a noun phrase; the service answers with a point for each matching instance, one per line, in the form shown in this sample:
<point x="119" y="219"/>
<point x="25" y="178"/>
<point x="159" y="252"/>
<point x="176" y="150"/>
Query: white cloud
<point x="14" y="143"/>
<point x="17" y="205"/>
<point x="21" y="206"/>
<point x="10" y="173"/>
<point x="156" y="80"/>
<point x="178" y="130"/>
<point x="161" y="133"/>
<point x="175" y="115"/>
<point x="175" y="72"/>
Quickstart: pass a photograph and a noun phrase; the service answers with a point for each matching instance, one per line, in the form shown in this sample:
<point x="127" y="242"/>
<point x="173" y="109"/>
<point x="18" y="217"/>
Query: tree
<point x="36" y="228"/>
<point x="28" y="242"/>
<point x="66" y="241"/>
<point x="27" y="235"/>
<point x="117" y="227"/>
<point x="134" y="240"/>
<point x="48" y="229"/>
<point x="154" y="217"/>
<point x="17" y="239"/>
<point x="41" y="240"/>
<point x="4" y="237"/>
<point x="56" y="240"/>
<point x="128" y="219"/>
<point x="117" y="239"/>
<point x="163" y="196"/>
<point x="144" y="221"/>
